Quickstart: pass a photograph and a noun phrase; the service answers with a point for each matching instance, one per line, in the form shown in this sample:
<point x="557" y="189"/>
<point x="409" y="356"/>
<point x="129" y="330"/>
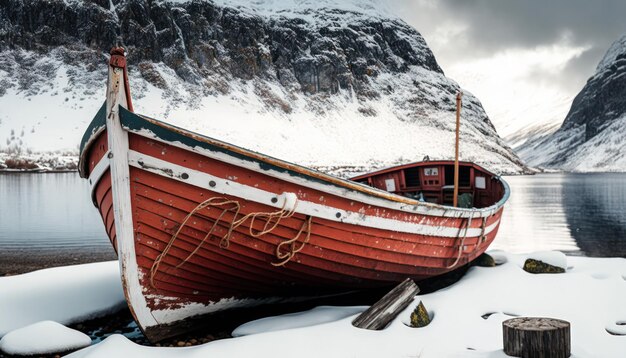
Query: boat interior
<point x="433" y="182"/>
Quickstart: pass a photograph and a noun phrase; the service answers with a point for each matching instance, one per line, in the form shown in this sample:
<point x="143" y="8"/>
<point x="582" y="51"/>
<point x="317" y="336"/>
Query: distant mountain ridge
<point x="593" y="135"/>
<point x="319" y="83"/>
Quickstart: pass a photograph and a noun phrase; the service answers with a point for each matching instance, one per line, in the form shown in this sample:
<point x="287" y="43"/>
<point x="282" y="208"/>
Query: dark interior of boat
<point x="434" y="182"/>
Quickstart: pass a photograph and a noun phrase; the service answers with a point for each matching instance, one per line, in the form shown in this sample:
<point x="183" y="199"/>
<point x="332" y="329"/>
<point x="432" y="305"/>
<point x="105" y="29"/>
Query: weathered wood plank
<point x="387" y="308"/>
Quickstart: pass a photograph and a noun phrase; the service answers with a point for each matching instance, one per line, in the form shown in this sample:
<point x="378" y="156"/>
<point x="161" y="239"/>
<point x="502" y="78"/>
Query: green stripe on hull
<point x="97" y="123"/>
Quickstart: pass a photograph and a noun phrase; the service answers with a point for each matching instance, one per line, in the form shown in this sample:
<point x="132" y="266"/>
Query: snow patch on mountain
<point x="315" y="12"/>
<point x="605" y="152"/>
<point x="523" y="137"/>
<point x="616" y="49"/>
<point x="593" y="136"/>
<point x="392" y="104"/>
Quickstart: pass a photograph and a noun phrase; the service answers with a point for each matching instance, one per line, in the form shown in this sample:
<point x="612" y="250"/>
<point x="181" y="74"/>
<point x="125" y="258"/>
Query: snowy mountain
<point x="593" y="135"/>
<point x="531" y="133"/>
<point x="342" y="84"/>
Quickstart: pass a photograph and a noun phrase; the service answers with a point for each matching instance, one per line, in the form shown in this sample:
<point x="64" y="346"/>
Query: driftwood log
<point x="387" y="308"/>
<point x="536" y="337"/>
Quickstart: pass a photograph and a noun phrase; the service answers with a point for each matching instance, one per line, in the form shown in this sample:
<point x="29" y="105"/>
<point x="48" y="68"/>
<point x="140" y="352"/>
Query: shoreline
<point x="17" y="262"/>
<point x="37" y="171"/>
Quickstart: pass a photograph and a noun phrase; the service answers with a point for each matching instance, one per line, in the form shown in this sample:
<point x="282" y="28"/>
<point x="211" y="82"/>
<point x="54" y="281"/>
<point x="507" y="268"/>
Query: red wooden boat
<point x="201" y="226"/>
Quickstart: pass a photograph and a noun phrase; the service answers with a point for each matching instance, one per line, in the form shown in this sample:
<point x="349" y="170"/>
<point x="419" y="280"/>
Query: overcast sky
<point x="524" y="59"/>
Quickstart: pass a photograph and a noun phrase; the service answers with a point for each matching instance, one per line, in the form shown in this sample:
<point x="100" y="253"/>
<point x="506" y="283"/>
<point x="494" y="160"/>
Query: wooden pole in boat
<point x="456" y="149"/>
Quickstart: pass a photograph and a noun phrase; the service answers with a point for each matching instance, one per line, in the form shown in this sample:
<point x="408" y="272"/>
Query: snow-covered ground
<point x="467" y="316"/>
<point x="51" y="337"/>
<point x="65" y="295"/>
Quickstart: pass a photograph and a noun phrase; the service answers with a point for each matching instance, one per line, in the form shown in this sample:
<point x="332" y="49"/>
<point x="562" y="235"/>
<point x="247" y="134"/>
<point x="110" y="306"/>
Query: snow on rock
<point x="554" y="258"/>
<point x="616" y="50"/>
<point x="43" y="337"/>
<point x="467" y="319"/>
<point x="592" y="137"/>
<point x="320" y="83"/>
<point x="309" y="9"/>
<point x="317" y="315"/>
<point x="63" y="294"/>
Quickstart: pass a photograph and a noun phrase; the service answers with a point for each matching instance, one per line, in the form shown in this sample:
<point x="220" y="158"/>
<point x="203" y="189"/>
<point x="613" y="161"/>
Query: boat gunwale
<point x="306" y="173"/>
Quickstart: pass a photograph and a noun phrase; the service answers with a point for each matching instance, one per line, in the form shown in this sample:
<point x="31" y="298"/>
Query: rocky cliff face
<point x="593" y="135"/>
<point x="275" y="77"/>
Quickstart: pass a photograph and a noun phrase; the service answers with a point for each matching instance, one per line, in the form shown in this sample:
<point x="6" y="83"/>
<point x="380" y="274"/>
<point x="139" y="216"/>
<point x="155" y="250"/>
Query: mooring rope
<point x="467" y="227"/>
<point x="482" y="230"/>
<point x="288" y="254"/>
<point x="272" y="220"/>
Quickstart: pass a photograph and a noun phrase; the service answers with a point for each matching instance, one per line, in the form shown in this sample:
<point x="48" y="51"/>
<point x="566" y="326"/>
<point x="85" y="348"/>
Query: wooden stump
<point x="536" y="337"/>
<point x="387" y="308"/>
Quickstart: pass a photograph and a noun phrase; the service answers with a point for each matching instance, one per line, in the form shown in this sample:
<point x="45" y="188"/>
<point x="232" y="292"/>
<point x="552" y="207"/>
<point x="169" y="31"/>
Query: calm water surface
<point x="51" y="211"/>
<point x="580" y="214"/>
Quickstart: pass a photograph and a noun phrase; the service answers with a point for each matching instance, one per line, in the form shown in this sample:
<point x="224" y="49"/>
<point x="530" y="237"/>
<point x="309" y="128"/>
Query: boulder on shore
<point x="537" y="266"/>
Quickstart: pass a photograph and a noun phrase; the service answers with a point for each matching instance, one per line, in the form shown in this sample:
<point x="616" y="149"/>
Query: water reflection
<point x="534" y="217"/>
<point x="581" y="214"/>
<point x="48" y="212"/>
<point x="595" y="208"/>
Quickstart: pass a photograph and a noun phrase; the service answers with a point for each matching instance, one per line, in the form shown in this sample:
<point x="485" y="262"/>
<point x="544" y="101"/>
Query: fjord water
<point x="580" y="214"/>
<point x="48" y="212"/>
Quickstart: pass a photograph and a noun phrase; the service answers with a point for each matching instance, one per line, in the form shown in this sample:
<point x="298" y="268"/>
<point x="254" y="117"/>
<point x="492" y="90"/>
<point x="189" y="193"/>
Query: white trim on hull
<point x="229" y="187"/>
<point x="122" y="209"/>
<point x="96" y="174"/>
<point x="419" y="207"/>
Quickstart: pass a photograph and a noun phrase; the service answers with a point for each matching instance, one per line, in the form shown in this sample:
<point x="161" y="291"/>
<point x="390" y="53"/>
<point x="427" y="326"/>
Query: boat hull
<point x="200" y="273"/>
<point x="202" y="226"/>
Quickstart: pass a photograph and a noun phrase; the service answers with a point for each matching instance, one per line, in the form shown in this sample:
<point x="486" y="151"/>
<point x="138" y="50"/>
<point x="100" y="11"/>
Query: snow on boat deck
<point x="467" y="318"/>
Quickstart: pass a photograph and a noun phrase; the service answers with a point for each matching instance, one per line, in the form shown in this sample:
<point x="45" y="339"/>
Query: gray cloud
<point x="497" y="25"/>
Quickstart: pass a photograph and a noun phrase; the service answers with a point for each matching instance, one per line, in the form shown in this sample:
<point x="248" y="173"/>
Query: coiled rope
<point x="285" y="250"/>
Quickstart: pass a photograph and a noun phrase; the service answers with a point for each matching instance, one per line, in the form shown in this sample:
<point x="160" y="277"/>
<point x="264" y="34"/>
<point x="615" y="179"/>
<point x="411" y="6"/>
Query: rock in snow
<point x="593" y="135"/>
<point x="314" y="82"/>
<point x="43" y="337"/>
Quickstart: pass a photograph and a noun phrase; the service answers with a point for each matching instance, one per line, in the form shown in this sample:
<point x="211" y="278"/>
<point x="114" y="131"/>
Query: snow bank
<point x="63" y="294"/>
<point x="315" y="316"/>
<point x="467" y="319"/>
<point x="43" y="338"/>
